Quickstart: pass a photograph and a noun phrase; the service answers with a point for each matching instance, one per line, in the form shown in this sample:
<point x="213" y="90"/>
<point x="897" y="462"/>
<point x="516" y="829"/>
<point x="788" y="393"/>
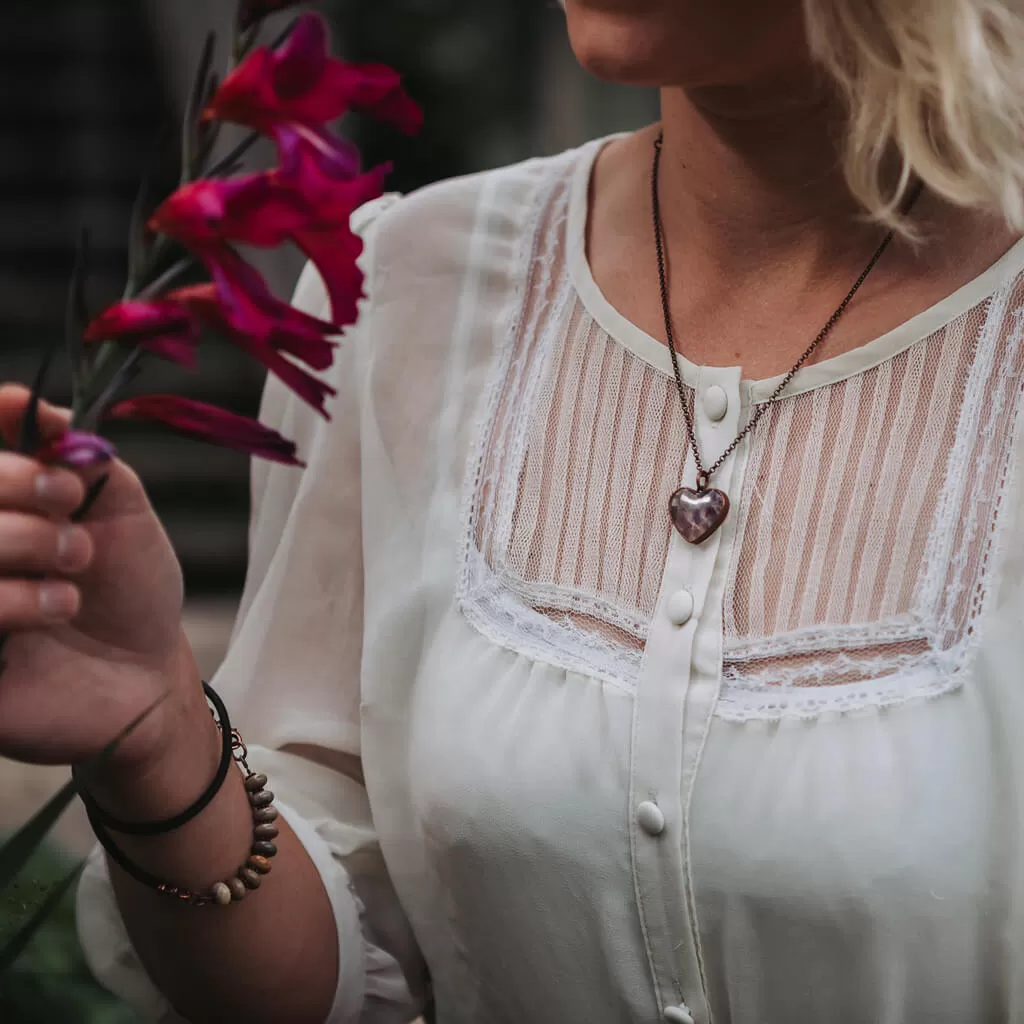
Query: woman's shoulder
<point x="442" y="222"/>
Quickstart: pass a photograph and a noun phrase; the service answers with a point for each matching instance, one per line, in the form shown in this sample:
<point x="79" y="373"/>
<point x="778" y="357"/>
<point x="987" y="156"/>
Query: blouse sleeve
<point x="291" y="681"/>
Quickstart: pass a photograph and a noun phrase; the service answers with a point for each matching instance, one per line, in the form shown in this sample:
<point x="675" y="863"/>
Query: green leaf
<point x="16" y="946"/>
<point x="138" y="246"/>
<point x="77" y="317"/>
<point x="31" y="436"/>
<point x="17" y="851"/>
<point x="194" y="108"/>
<point x="209" y="131"/>
<point x="92" y="493"/>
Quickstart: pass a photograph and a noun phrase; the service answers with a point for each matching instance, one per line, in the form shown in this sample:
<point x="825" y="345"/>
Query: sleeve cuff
<point x="112" y="959"/>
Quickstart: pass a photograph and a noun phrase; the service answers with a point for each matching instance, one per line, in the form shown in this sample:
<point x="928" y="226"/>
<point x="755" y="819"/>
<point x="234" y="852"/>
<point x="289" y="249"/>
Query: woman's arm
<point x="272" y="957"/>
<point x="325" y="923"/>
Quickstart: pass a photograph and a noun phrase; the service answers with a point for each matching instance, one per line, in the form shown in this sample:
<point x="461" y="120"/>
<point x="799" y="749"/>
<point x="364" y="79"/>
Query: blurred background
<point x="90" y="98"/>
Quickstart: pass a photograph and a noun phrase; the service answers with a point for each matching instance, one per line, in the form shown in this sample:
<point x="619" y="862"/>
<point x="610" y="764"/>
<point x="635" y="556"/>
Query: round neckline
<point x="819" y="374"/>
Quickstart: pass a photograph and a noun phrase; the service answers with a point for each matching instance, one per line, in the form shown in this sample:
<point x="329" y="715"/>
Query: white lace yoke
<point x="868" y="515"/>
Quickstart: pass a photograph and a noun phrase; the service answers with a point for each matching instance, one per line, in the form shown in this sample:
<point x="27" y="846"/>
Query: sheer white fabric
<point x="868" y="513"/>
<point x="795" y="802"/>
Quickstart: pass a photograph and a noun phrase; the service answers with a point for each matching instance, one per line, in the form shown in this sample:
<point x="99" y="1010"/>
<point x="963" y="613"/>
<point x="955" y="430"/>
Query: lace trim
<point x="493" y="610"/>
<point x="817" y="672"/>
<point x="938" y="557"/>
<point x="504" y="608"/>
<point x="828" y="638"/>
<point x="778" y="691"/>
<point x="773" y="703"/>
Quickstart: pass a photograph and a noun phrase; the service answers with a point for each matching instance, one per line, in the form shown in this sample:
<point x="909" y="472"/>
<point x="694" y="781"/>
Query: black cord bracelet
<point x="98" y="816"/>
<point x="248" y="876"/>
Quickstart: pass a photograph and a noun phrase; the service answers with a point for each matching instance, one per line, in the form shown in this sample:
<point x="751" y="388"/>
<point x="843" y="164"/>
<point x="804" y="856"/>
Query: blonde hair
<point x="940" y="83"/>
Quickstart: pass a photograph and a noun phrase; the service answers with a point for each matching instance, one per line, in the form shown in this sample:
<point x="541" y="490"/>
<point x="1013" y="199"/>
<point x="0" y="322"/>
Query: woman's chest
<point x="766" y="741"/>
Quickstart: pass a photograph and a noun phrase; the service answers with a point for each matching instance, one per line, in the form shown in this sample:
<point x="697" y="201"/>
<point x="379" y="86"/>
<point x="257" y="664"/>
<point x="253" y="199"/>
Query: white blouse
<point x="608" y="776"/>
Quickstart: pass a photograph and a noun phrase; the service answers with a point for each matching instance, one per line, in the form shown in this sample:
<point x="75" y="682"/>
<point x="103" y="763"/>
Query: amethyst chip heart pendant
<point x="697" y="514"/>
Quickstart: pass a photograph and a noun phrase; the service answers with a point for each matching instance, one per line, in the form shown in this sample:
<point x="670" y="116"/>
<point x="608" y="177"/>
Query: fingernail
<point x="72" y="548"/>
<point x="57" y="488"/>
<point x="58" y="600"/>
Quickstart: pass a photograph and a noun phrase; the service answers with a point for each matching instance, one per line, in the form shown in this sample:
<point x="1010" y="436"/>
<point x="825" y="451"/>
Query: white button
<point x="680" y="608"/>
<point x="652" y="821"/>
<point x="716" y="402"/>
<point x="678" y="1015"/>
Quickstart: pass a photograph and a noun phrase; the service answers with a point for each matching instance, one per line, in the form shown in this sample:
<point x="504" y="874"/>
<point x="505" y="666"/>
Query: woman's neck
<point x="763" y="236"/>
<point x="751" y="175"/>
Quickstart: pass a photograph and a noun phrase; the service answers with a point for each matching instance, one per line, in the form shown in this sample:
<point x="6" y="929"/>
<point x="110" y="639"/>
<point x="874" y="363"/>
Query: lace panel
<point x="869" y="510"/>
<point x="567" y="515"/>
<point x="867" y="517"/>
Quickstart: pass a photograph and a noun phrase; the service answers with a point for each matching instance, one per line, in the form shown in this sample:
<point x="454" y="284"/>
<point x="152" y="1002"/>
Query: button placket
<point x="671" y="714"/>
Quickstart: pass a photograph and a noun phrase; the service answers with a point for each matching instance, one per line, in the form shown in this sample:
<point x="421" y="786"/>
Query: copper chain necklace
<point x="697" y="512"/>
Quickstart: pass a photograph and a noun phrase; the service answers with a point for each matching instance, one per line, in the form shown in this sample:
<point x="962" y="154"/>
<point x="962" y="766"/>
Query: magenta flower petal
<point x="260" y="208"/>
<point x="269" y="338"/>
<point x="138" y="320"/>
<point x="310" y="389"/>
<point x="163" y="327"/>
<point x="301" y="61"/>
<point x="336" y="158"/>
<point x="372" y="88"/>
<point x="76" y="448"/>
<point x="249" y="307"/>
<point x="330" y="242"/>
<point x="182" y="351"/>
<point x="335" y="255"/>
<point x="301" y="83"/>
<point x="305" y="206"/>
<point x="208" y="423"/>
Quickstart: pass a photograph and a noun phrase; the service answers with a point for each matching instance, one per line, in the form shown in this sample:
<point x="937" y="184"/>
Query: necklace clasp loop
<point x="702" y="481"/>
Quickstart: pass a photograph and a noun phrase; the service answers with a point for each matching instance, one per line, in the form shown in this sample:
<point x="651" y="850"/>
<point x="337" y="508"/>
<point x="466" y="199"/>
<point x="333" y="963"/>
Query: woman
<point x="576" y="715"/>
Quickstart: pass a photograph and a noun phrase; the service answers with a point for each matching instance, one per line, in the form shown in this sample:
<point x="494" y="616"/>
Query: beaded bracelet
<point x="249" y="875"/>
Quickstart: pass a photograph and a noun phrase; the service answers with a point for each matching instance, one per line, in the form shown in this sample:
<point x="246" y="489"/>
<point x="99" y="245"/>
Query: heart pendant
<point x="697" y="514"/>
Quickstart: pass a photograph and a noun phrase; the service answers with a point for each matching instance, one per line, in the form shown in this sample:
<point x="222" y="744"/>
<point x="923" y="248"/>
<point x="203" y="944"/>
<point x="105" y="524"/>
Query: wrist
<point x="169" y="759"/>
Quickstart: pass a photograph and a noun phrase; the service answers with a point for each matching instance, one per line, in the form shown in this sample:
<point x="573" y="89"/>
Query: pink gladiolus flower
<point x="161" y="326"/>
<point x="204" y="213"/>
<point x="327" y="239"/>
<point x="304" y="206"/>
<point x="266" y="340"/>
<point x="208" y="423"/>
<point x="301" y="83"/>
<point x="76" y="448"/>
<point x="250" y="307"/>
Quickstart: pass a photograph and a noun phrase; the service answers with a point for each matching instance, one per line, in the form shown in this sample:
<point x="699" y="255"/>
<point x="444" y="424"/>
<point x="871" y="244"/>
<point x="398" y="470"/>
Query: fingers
<point x="37" y="542"/>
<point x="28" y="486"/>
<point x="13" y="401"/>
<point x="31" y="544"/>
<point x="28" y="604"/>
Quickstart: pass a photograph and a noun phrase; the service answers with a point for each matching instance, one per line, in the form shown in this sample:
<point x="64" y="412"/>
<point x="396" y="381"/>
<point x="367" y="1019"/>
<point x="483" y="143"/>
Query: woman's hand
<point x="93" y="611"/>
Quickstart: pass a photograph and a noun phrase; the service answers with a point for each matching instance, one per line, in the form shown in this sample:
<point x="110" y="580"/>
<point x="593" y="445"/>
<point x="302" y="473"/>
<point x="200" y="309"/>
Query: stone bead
<point x="263" y="848"/>
<point x="263" y="815"/>
<point x="254" y="783"/>
<point x="250" y="879"/>
<point x="237" y="887"/>
<point x="265" y="832"/>
<point x="260" y="864"/>
<point x="221" y="894"/>
<point x="262" y="798"/>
